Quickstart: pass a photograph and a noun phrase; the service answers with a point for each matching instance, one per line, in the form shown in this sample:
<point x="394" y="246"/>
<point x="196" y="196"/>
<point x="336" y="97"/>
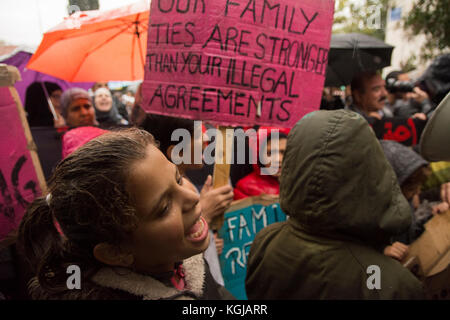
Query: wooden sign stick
<point x="221" y="175"/>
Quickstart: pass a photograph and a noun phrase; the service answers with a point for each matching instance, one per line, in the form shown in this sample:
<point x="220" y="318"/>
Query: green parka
<point x="343" y="203"/>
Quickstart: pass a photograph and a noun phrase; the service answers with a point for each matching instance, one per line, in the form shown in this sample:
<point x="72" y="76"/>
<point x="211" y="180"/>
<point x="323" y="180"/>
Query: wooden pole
<point x="221" y="175"/>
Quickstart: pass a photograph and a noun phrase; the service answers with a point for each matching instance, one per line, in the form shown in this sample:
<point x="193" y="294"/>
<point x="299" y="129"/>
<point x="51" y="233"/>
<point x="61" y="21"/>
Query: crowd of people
<point x="134" y="222"/>
<point x="397" y="95"/>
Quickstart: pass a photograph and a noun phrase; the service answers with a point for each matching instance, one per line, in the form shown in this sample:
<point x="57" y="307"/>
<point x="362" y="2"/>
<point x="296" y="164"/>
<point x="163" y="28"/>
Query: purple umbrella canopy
<point x="19" y="58"/>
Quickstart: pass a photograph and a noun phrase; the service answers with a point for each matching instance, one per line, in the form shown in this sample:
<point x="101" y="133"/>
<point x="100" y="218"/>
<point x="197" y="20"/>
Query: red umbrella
<point x="96" y="45"/>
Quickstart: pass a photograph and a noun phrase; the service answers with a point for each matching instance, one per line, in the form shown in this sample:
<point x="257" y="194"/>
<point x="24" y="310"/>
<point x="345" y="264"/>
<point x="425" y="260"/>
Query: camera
<point x="394" y="86"/>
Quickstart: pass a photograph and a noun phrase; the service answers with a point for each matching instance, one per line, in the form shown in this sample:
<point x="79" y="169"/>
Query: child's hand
<point x="59" y="122"/>
<point x="445" y="197"/>
<point x="397" y="251"/>
<point x="215" y="201"/>
<point x="418" y="95"/>
<point x="219" y="244"/>
<point x="419" y="115"/>
<point x="440" y="208"/>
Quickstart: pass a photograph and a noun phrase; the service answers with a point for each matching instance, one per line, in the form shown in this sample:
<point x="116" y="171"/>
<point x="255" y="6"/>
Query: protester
<point x="405" y="99"/>
<point x="412" y="171"/>
<point x="257" y="183"/>
<point x="105" y="109"/>
<point x="120" y="212"/>
<point x="214" y="202"/>
<point x="344" y="204"/>
<point x="120" y="107"/>
<point x="77" y="108"/>
<point x="369" y="94"/>
<point x="37" y="105"/>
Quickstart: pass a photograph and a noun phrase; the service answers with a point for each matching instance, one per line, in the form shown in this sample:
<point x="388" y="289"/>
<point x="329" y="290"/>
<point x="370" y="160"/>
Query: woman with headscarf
<point x="77" y="108"/>
<point x="105" y="110"/>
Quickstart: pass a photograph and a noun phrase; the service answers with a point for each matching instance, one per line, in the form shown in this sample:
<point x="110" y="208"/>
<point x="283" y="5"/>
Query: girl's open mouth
<point x="199" y="231"/>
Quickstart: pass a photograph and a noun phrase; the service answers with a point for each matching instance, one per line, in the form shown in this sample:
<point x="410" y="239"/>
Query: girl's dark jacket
<point x="123" y="284"/>
<point x="344" y="203"/>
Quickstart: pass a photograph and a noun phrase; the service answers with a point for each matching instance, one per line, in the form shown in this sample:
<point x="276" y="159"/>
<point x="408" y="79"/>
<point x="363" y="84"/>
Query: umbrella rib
<point x="97" y="47"/>
<point x="140" y="53"/>
<point x="133" y="45"/>
<point x="132" y="50"/>
<point x="137" y="24"/>
<point x="140" y="47"/>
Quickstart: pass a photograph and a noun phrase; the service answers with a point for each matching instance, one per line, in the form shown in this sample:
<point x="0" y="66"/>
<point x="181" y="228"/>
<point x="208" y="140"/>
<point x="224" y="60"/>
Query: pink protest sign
<point x="237" y="61"/>
<point x="18" y="180"/>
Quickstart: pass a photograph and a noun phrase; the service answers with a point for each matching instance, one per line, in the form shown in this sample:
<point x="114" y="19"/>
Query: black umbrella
<point x="352" y="53"/>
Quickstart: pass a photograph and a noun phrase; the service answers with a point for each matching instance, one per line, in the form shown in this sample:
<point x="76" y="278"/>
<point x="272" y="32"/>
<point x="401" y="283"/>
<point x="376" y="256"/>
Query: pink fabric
<point x="58" y="228"/>
<point x="180" y="283"/>
<point x="77" y="137"/>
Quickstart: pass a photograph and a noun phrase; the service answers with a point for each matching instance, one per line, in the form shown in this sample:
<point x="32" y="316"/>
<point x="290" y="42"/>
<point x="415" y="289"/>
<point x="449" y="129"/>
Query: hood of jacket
<point x="336" y="181"/>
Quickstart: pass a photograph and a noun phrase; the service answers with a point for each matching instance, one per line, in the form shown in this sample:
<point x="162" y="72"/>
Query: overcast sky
<point x="22" y="22"/>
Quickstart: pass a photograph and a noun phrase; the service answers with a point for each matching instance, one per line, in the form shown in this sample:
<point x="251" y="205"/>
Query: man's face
<point x="80" y="113"/>
<point x="374" y="96"/>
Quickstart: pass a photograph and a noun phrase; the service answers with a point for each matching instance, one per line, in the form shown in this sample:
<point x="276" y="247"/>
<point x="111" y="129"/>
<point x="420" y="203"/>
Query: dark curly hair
<point x="91" y="203"/>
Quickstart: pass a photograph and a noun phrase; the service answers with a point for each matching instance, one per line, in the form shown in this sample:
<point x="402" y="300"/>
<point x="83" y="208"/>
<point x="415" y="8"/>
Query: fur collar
<point x="150" y="288"/>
